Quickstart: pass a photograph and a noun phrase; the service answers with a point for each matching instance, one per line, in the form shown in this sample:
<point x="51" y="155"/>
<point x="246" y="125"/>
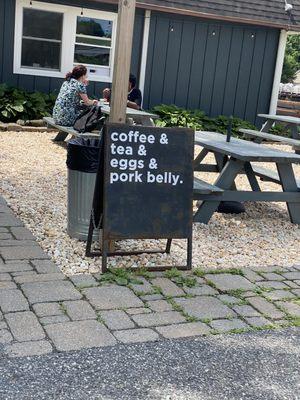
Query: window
<point x="41" y="39"/>
<point x="50" y="39"/>
<point x="93" y="44"/>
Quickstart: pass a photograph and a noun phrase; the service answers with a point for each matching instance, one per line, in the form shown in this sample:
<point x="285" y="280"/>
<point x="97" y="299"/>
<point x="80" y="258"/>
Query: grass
<point x="211" y="284"/>
<point x="233" y="271"/>
<point x="181" y="280"/>
<point x="235" y="292"/>
<point x="120" y="276"/>
<point x="144" y="273"/>
<point x="63" y="308"/>
<point x="206" y="320"/>
<point x="178" y="308"/>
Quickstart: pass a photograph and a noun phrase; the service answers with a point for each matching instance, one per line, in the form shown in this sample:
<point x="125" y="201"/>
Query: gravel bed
<point x="34" y="182"/>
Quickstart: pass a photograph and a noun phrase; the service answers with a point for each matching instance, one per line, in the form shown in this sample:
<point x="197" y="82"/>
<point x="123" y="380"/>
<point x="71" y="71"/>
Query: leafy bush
<point x="171" y="115"/>
<point x="280" y="130"/>
<point x="17" y="104"/>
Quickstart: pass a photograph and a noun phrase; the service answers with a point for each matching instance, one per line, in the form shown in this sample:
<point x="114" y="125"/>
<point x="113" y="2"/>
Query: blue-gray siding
<point x="218" y="67"/>
<point x="31" y="83"/>
<point x="215" y="66"/>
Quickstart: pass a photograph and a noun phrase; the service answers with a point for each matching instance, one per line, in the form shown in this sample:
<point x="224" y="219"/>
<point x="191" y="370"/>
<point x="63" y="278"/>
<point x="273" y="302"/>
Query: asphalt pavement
<point x="259" y="365"/>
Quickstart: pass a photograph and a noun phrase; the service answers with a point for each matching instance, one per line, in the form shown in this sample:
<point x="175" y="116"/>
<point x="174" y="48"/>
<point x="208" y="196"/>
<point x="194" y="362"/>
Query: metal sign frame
<point x="99" y="216"/>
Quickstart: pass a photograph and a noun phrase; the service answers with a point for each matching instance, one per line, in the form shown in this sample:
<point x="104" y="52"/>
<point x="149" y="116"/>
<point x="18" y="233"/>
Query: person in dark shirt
<point x="134" y="94"/>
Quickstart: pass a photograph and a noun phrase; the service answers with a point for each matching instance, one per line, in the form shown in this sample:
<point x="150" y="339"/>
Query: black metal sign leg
<point x="105" y="247"/>
<point x="168" y="247"/>
<point x="189" y="252"/>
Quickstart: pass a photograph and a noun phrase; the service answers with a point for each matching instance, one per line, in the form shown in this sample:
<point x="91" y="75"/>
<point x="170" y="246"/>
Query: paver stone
<point x="136" y="335"/>
<point x="205" y="307"/>
<point x="42" y="292"/>
<point x="79" y="310"/>
<point x="25" y="326"/>
<point x="226" y="325"/>
<point x="79" y="335"/>
<point x="291" y="308"/>
<point x="45" y="266"/>
<point x="226" y="282"/>
<point x="22" y="252"/>
<point x="265" y="307"/>
<point x="168" y="287"/>
<point x="28" y="349"/>
<point x="159" y="318"/>
<point x="183" y="330"/>
<point x="117" y="320"/>
<point x="12" y="300"/>
<point x="292" y="275"/>
<point x="111" y="297"/>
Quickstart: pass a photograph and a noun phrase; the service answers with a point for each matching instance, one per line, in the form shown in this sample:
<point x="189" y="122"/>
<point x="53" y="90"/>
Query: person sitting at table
<point x="72" y="94"/>
<point x="134" y="99"/>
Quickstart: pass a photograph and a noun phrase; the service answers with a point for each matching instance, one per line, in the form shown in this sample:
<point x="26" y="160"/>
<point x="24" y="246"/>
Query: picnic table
<point x="234" y="158"/>
<point x="138" y="117"/>
<point x="291" y="123"/>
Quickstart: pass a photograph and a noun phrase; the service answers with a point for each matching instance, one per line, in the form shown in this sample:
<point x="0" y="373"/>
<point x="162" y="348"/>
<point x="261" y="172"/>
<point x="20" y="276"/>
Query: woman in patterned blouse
<point x="73" y="93"/>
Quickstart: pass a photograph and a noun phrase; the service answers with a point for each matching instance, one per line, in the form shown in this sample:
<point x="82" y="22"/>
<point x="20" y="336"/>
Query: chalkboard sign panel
<point x="148" y="182"/>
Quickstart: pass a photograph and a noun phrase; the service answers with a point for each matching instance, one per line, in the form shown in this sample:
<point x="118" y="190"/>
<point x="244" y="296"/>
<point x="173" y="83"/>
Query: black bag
<point x="89" y="120"/>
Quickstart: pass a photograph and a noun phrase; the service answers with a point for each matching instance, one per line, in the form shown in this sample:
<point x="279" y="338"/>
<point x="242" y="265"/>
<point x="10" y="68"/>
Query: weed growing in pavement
<point x="100" y="319"/>
<point x="63" y="308"/>
<point x="177" y="277"/>
<point x="177" y="307"/>
<point x="156" y="290"/>
<point x="189" y="296"/>
<point x="294" y="321"/>
<point x="144" y="273"/>
<point x="211" y="284"/>
<point x="120" y="276"/>
<point x="233" y="271"/>
<point x="235" y="292"/>
<point x="238" y="330"/>
<point x="206" y="320"/>
<point x="190" y="318"/>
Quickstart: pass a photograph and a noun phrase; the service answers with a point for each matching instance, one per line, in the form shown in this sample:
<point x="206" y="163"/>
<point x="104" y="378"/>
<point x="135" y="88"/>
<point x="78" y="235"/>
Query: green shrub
<point x="280" y="130"/>
<point x="17" y="104"/>
<point x="171" y="115"/>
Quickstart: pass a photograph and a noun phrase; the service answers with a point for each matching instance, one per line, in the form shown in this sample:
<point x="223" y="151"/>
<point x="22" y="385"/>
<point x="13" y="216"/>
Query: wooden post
<point x="122" y="62"/>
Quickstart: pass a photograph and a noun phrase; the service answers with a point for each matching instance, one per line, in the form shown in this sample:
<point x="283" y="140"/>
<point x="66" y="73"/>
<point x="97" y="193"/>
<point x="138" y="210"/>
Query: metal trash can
<point x="82" y="163"/>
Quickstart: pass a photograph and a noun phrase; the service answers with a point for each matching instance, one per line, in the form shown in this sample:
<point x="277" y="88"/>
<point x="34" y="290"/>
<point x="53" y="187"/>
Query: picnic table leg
<point x="289" y="184"/>
<point x="225" y="181"/>
<point x="267" y="126"/>
<point x="60" y="137"/>
<point x="295" y="135"/>
<point x="200" y="157"/>
<point x="251" y="177"/>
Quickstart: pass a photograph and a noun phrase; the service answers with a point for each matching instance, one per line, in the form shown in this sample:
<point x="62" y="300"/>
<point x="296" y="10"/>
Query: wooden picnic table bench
<point x="236" y="157"/>
<point x="133" y="116"/>
<point x="259" y="136"/>
<point x="292" y="123"/>
<point x="64" y="131"/>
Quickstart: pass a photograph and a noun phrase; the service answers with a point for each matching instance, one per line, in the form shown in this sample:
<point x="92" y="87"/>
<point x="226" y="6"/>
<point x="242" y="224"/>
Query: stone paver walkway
<point x="43" y="311"/>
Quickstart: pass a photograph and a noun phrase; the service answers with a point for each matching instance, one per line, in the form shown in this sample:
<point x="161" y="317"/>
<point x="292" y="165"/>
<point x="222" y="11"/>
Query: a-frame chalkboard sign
<point x="144" y="188"/>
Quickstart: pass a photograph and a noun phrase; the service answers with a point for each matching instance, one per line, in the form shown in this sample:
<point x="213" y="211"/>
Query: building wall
<point x="221" y="68"/>
<point x="45" y="84"/>
<point x="217" y="67"/>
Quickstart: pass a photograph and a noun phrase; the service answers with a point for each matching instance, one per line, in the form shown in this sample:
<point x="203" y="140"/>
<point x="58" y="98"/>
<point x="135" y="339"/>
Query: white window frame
<point x="70" y="15"/>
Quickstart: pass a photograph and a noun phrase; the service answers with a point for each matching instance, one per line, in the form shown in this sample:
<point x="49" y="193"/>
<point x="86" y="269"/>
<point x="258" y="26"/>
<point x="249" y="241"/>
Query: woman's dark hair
<point x="77" y="72"/>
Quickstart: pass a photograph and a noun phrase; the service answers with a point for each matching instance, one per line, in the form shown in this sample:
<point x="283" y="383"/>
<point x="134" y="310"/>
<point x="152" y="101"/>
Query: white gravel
<point x="34" y="182"/>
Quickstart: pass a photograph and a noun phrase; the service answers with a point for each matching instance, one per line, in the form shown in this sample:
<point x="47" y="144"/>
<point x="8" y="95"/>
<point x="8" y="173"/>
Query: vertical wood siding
<point x="218" y="67"/>
<point x="44" y="84"/>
